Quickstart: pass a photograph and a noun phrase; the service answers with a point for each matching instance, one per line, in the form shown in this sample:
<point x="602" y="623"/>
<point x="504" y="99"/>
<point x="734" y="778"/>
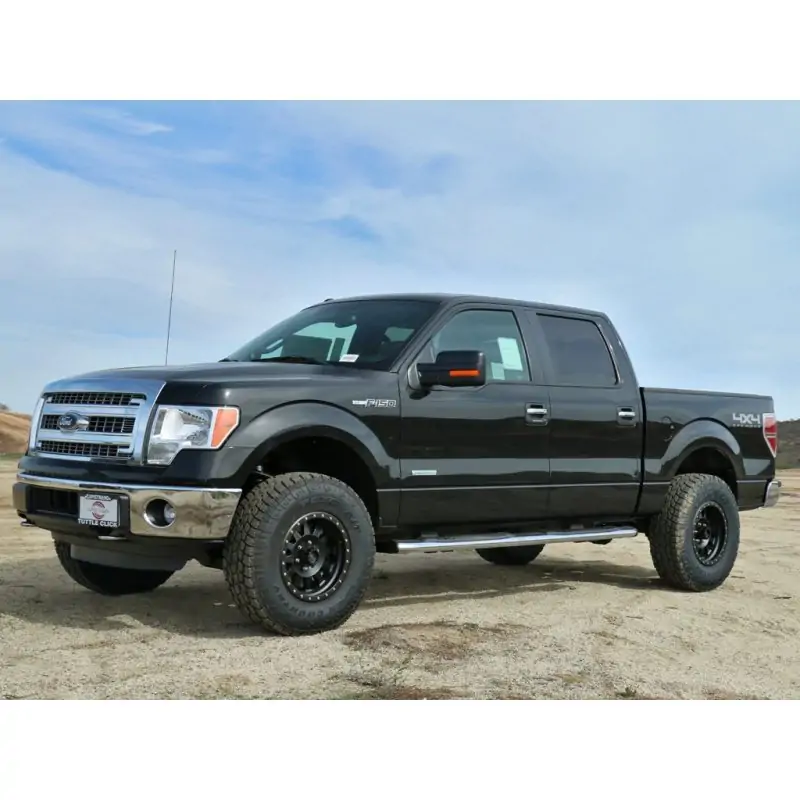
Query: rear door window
<point x="578" y="352"/>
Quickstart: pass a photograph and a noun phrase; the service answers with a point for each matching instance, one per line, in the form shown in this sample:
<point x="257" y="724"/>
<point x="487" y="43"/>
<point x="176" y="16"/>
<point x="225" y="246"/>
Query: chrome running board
<point x="438" y="543"/>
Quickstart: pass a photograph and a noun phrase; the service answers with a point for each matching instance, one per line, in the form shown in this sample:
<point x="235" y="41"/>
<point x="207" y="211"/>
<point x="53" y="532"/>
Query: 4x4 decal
<point x="745" y="420"/>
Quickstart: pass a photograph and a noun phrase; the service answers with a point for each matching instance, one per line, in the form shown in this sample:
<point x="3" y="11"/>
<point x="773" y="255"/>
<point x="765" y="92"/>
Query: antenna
<point x="171" y="294"/>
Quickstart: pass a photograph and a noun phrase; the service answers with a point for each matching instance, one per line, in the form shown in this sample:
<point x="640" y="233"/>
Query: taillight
<point x="770" y="428"/>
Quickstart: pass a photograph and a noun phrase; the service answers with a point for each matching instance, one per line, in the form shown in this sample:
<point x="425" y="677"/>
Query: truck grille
<point x="96" y="424"/>
<point x="53" y="501"/>
<point x="80" y="449"/>
<point x="93" y="399"/>
<point x="91" y="421"/>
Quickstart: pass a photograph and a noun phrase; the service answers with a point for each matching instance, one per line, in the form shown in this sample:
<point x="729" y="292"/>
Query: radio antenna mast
<point x="171" y="295"/>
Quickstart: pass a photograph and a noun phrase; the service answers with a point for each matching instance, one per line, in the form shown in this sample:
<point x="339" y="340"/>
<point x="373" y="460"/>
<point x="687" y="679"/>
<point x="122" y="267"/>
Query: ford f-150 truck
<point x="396" y="424"/>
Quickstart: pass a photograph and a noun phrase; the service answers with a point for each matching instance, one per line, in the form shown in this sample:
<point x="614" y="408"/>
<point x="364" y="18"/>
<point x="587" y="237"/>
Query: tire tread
<point x="510" y="556"/>
<point x="667" y="534"/>
<point x="107" y="580"/>
<point x="239" y="554"/>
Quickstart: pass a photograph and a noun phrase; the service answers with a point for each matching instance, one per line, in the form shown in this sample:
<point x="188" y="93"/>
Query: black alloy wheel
<point x="316" y="556"/>
<point x="710" y="534"/>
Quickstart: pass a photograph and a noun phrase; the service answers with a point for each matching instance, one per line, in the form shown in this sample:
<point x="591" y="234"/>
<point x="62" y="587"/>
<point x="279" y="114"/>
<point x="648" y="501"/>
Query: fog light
<point x="159" y="513"/>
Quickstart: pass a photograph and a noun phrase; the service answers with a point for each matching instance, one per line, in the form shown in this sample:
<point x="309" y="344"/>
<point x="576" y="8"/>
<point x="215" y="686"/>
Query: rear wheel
<point x="510" y="556"/>
<point x="113" y="581"/>
<point x="694" y="541"/>
<point x="299" y="555"/>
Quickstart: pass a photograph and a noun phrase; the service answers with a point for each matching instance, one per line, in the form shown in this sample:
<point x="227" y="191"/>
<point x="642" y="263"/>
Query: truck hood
<point x="226" y="372"/>
<point x="253" y="387"/>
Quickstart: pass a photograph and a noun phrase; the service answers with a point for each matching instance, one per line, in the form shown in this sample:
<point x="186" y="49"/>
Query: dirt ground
<point x="583" y="621"/>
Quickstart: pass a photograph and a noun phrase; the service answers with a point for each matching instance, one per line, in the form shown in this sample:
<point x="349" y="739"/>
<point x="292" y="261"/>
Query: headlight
<point x="176" y="428"/>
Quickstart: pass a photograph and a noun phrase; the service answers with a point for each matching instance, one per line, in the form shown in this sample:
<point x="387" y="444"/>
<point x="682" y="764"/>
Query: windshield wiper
<point x="294" y="360"/>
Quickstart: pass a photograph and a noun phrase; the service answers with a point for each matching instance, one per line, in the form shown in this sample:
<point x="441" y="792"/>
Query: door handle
<point x="626" y="415"/>
<point x="536" y="414"/>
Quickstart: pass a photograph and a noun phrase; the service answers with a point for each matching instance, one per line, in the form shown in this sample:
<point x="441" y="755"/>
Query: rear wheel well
<point x="328" y="457"/>
<point x="709" y="461"/>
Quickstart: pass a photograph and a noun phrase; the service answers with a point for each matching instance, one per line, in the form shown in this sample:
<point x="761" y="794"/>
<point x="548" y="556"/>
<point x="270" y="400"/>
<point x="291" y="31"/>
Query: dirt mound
<point x="13" y="432"/>
<point x="789" y="444"/>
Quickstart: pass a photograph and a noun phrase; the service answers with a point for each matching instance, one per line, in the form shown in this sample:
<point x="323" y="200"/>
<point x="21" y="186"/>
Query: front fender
<point x="702" y="433"/>
<point x="300" y="420"/>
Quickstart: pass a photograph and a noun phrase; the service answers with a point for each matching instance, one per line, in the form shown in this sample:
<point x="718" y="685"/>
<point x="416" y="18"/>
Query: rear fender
<point x="699" y="435"/>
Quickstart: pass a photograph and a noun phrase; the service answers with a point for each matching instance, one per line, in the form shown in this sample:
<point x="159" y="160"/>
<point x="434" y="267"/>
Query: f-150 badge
<point x="375" y="403"/>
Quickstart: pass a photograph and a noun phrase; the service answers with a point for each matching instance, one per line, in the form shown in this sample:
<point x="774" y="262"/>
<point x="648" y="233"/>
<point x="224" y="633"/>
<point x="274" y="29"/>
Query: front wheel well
<point x="709" y="461"/>
<point x="325" y="456"/>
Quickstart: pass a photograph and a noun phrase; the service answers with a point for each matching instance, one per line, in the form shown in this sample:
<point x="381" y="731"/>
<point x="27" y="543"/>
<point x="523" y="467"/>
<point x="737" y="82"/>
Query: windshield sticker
<point x="498" y="371"/>
<point x="349" y="358"/>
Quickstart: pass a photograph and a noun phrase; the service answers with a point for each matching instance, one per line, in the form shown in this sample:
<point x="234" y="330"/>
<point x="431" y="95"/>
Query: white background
<point x="453" y="749"/>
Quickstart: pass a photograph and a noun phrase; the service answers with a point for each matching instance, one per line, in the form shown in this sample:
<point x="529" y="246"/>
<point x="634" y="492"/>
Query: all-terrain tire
<point x="676" y="545"/>
<point x="254" y="558"/>
<point x="111" y="581"/>
<point x="510" y="556"/>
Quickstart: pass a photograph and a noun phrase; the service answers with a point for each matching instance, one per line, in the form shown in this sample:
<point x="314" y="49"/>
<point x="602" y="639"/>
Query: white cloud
<point x="125" y="122"/>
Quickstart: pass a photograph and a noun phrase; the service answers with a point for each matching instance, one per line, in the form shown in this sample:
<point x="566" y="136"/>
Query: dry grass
<point x="581" y="622"/>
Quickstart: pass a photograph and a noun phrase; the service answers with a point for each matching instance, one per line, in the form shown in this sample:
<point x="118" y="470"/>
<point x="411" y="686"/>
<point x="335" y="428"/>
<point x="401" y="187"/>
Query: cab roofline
<point x="456" y="299"/>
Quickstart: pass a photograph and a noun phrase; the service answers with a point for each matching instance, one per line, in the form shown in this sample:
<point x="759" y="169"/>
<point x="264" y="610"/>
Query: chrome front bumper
<point x="199" y="513"/>
<point x="772" y="494"/>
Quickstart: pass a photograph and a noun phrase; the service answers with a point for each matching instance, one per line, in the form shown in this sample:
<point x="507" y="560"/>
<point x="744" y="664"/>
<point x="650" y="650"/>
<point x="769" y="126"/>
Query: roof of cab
<point x="453" y="299"/>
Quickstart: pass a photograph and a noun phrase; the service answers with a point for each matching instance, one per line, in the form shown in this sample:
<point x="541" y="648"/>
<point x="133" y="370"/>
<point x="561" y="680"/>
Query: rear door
<point x="595" y="416"/>
<point x="476" y="454"/>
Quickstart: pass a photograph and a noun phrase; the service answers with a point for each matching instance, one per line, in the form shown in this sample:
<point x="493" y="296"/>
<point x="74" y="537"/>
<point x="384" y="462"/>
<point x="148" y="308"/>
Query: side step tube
<point x="432" y="544"/>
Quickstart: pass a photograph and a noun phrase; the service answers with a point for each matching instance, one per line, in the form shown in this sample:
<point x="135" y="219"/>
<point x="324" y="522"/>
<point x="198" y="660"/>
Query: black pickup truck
<point x="394" y="424"/>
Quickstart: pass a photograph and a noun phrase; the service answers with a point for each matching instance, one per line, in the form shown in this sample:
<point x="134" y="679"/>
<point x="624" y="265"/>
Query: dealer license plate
<point x="98" y="509"/>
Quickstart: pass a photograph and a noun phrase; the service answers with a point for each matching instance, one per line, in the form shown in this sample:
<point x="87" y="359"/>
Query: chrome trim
<point x="122" y="440"/>
<point x="200" y="513"/>
<point x="35" y="420"/>
<point x="772" y="494"/>
<point x="132" y="445"/>
<point x="512" y="540"/>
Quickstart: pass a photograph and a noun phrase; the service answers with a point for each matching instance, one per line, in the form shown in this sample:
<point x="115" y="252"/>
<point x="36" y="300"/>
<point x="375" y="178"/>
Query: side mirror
<point x="454" y="368"/>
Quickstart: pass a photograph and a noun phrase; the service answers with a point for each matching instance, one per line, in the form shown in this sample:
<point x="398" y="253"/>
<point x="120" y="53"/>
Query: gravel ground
<point x="583" y="621"/>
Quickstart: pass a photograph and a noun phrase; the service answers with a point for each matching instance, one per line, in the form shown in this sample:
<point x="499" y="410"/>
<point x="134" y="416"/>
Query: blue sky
<point x="679" y="220"/>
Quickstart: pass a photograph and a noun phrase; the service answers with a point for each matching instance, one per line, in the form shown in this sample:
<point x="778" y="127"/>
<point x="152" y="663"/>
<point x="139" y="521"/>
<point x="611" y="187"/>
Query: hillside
<point x="789" y="444"/>
<point x="13" y="432"/>
<point x="14" y="435"/>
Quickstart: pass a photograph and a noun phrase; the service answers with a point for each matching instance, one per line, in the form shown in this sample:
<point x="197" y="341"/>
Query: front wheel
<point x="300" y="552"/>
<point x="694" y="541"/>
<point x="112" y="581"/>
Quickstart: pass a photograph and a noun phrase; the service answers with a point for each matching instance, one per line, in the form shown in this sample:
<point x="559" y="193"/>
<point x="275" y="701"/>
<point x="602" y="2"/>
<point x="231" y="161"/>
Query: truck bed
<point x="683" y="422"/>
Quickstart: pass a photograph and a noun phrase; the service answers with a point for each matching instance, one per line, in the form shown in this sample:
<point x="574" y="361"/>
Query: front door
<point x="476" y="454"/>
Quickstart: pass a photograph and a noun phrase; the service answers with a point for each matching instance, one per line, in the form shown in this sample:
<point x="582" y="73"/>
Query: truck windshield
<point x="369" y="334"/>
